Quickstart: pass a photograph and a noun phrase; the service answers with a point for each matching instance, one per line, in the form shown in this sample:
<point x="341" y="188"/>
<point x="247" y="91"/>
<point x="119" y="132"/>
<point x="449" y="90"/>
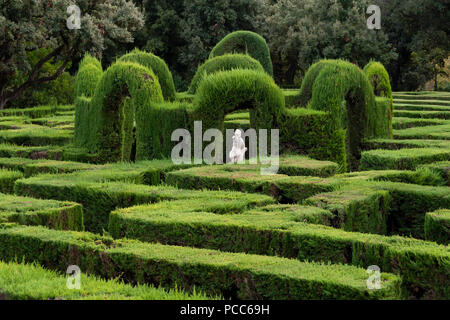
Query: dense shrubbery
<point x="245" y="42"/>
<point x="223" y="63"/>
<point x="158" y="66"/>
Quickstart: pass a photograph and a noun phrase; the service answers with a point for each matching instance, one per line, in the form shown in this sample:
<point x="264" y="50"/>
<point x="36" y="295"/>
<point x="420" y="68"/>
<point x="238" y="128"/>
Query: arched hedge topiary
<point x="89" y="73"/>
<point x="125" y="94"/>
<point x="227" y="91"/>
<point x="223" y="63"/>
<point x="158" y="66"/>
<point x="344" y="91"/>
<point x="245" y="42"/>
<point x="379" y="78"/>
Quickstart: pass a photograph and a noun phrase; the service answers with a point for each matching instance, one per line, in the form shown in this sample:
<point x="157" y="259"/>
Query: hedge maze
<point x="363" y="180"/>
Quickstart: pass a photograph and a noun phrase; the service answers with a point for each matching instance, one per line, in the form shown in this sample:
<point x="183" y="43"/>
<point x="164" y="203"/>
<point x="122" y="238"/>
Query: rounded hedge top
<point x="158" y="66"/>
<point x="226" y="91"/>
<point x="245" y="42"/>
<point x="89" y="73"/>
<point x="222" y="63"/>
<point x="379" y="78"/>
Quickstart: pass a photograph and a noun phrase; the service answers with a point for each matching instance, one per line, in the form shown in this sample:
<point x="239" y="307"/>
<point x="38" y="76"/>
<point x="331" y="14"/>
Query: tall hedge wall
<point x="245" y="42"/>
<point x="379" y="78"/>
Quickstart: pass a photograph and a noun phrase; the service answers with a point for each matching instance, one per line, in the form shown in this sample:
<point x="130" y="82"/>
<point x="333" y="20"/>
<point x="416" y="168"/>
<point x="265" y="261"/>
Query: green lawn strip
<point x="441" y="132"/>
<point x="424" y="266"/>
<point x="33" y="135"/>
<point x="406" y="123"/>
<point x="402" y="159"/>
<point x="442" y="168"/>
<point x="19" y="281"/>
<point x="248" y="178"/>
<point x="437" y="226"/>
<point x="422" y="114"/>
<point x="232" y="275"/>
<point x="50" y="213"/>
<point x="32" y="167"/>
<point x="391" y="144"/>
<point x="426" y="102"/>
<point x="99" y="196"/>
<point x="8" y="179"/>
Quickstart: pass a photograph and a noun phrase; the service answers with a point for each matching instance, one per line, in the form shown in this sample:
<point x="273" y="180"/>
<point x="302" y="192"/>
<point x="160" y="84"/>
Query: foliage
<point x="89" y="73"/>
<point x="302" y="32"/>
<point x="246" y="42"/>
<point x="103" y="23"/>
<point x="223" y="63"/>
<point x="56" y="92"/>
<point x="158" y="66"/>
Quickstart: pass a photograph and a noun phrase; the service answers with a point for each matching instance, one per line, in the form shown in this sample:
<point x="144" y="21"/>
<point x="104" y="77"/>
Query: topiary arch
<point x="245" y="42"/>
<point x="227" y="91"/>
<point x="342" y="89"/>
<point x="222" y="63"/>
<point x="158" y="66"/>
<point x="124" y="95"/>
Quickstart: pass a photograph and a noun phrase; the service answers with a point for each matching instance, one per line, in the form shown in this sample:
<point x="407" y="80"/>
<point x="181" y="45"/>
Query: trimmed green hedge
<point x="442" y="168"/>
<point x="306" y="131"/>
<point x="341" y="80"/>
<point x="248" y="178"/>
<point x="406" y="123"/>
<point x="246" y="42"/>
<point x="34" y="167"/>
<point x="391" y="144"/>
<point x="227" y="91"/>
<point x="33" y="135"/>
<point x="100" y="191"/>
<point x="164" y="119"/>
<point x="379" y="78"/>
<point x="89" y="73"/>
<point x="437" y="226"/>
<point x="423" y="266"/>
<point x="408" y="106"/>
<point x="125" y="93"/>
<point x="49" y="213"/>
<point x="422" y="114"/>
<point x="223" y="63"/>
<point x="361" y="209"/>
<point x="7" y="180"/>
<point x="158" y="66"/>
<point x="36" y="112"/>
<point x="233" y="275"/>
<point x="33" y="282"/>
<point x="403" y="159"/>
<point x="441" y="132"/>
<point x="43" y="152"/>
